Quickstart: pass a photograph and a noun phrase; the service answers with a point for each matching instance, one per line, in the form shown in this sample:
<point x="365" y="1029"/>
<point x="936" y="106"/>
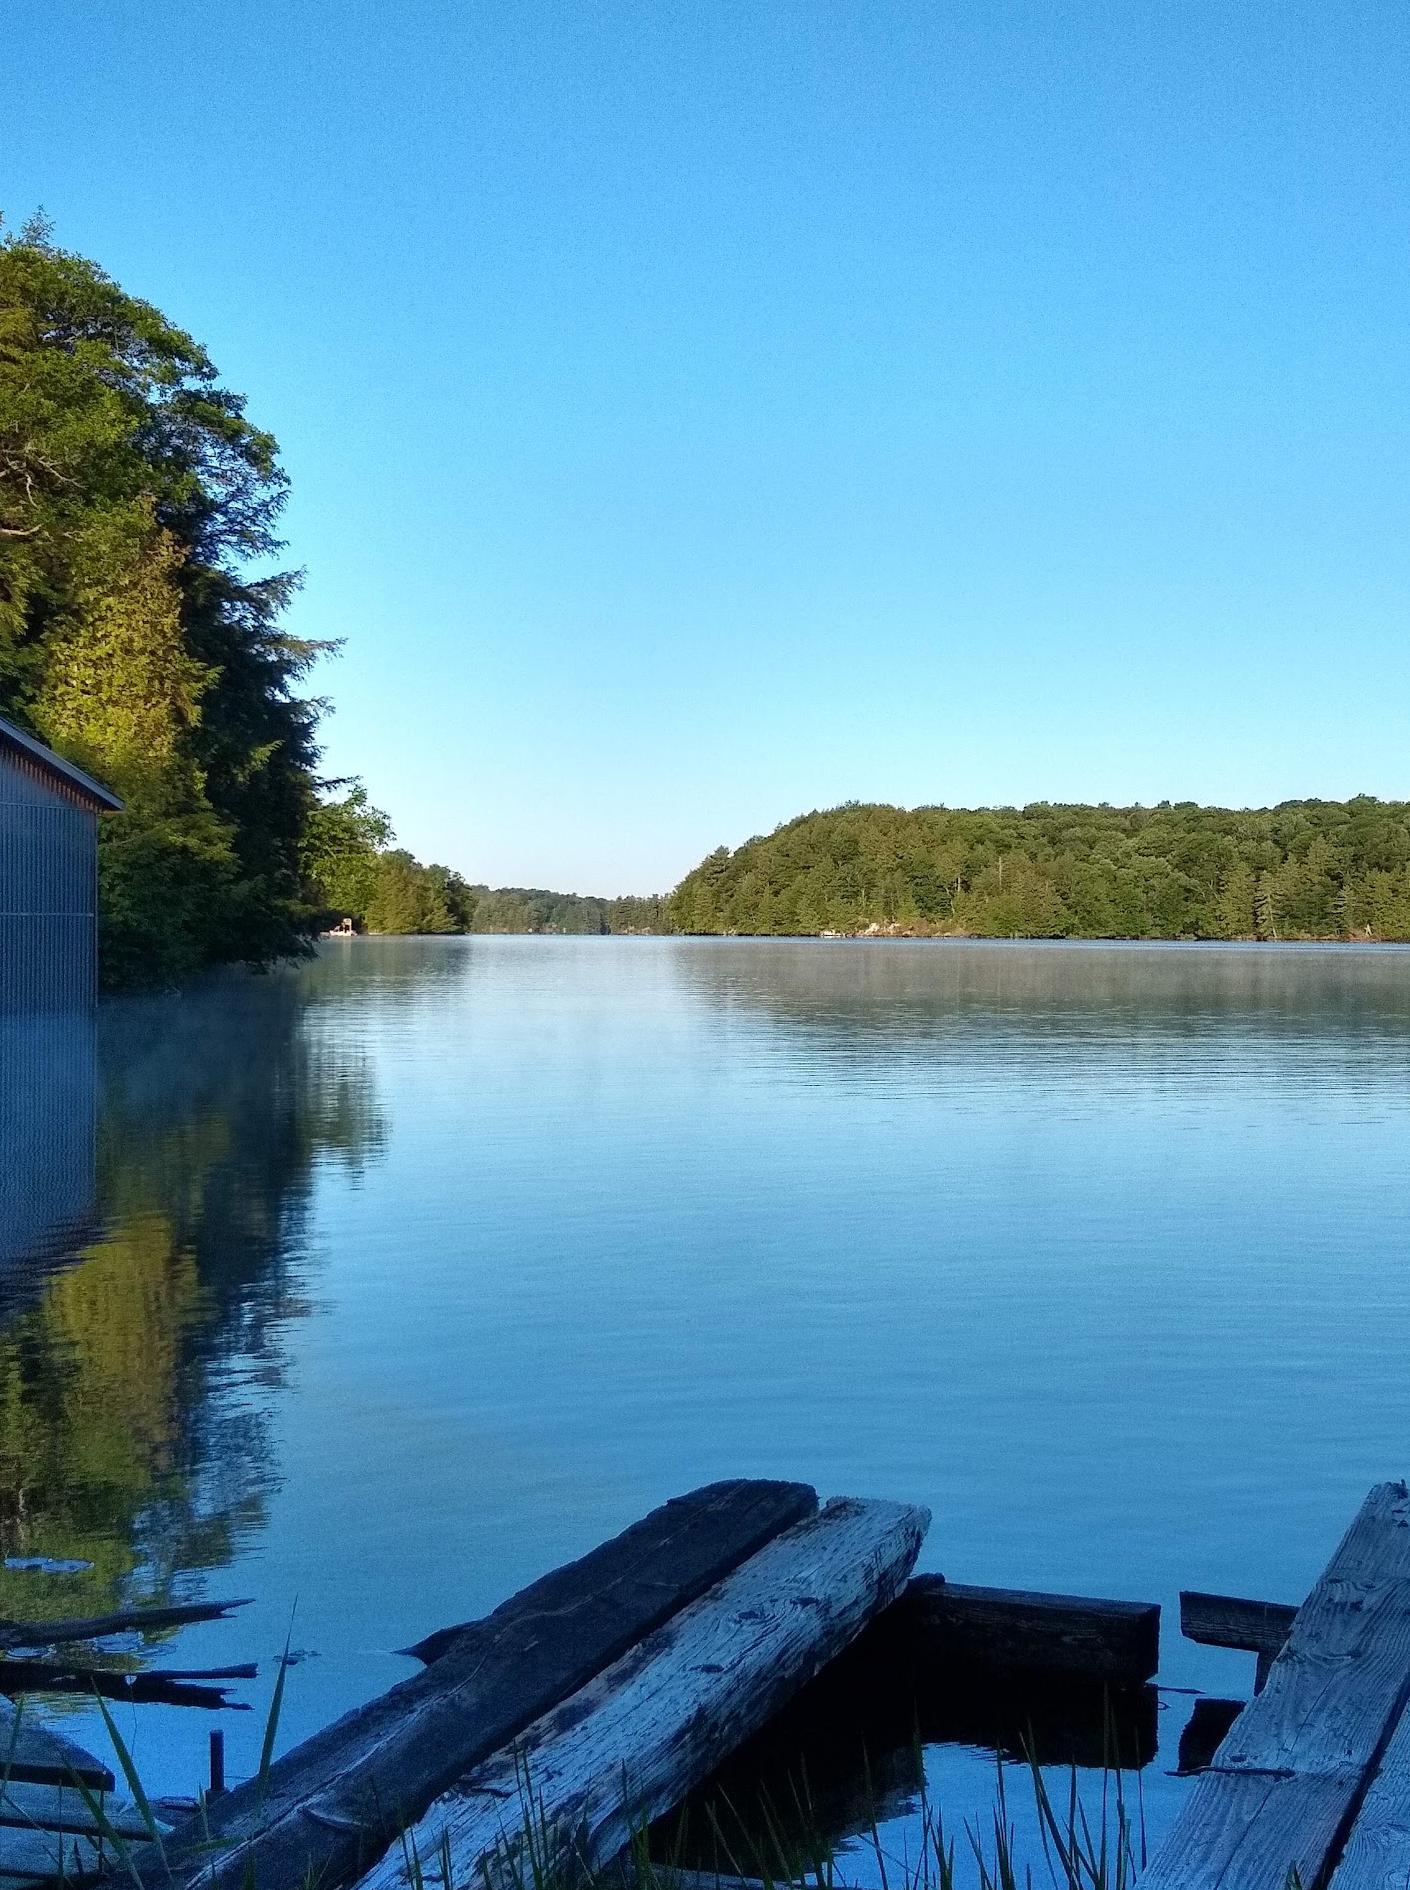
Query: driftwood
<point x="1114" y="1641"/>
<point x="333" y="1803"/>
<point x="633" y="1742"/>
<point x="94" y="1627"/>
<point x="38" y="1755"/>
<point x="1290" y="1774"/>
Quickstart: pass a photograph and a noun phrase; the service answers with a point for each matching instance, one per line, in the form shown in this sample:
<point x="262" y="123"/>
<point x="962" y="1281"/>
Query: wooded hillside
<point x="1302" y="870"/>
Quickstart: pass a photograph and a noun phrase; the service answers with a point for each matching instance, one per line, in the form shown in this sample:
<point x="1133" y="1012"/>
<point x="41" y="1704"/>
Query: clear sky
<point x="702" y="412"/>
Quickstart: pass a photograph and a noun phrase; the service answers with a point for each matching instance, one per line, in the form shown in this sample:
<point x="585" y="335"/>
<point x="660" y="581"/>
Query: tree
<point x="338" y="853"/>
<point x="134" y="498"/>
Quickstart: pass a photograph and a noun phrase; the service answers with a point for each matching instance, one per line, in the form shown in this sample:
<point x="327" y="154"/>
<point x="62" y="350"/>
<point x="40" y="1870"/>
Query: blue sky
<point x="697" y="414"/>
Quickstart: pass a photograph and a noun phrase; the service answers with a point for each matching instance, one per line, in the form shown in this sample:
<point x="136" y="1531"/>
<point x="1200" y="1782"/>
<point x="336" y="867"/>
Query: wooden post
<point x="217" y="1784"/>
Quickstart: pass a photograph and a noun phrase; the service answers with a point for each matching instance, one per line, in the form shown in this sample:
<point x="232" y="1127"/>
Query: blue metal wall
<point x="48" y="895"/>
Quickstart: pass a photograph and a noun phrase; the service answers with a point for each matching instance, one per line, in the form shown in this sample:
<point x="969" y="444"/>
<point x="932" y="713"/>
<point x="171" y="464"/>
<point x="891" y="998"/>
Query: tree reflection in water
<point x="148" y="1269"/>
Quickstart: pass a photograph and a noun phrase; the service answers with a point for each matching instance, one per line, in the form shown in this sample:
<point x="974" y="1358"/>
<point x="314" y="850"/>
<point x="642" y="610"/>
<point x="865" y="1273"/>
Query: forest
<point x="1301" y="870"/>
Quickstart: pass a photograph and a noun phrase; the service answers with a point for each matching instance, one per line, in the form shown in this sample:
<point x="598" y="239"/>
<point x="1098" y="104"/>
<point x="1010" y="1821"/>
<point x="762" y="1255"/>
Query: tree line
<point x="1301" y="870"/>
<point x="355" y="873"/>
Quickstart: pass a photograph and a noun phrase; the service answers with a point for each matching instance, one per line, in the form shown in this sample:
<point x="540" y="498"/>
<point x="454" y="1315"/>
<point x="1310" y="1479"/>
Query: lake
<point x="373" y="1288"/>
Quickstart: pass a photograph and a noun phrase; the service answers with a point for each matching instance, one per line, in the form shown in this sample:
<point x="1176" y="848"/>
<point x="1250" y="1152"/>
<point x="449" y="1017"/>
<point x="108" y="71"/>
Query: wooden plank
<point x="64" y="1808"/>
<point x="333" y="1803"/>
<point x="638" y="1738"/>
<point x="1116" y="1641"/>
<point x="94" y="1627"/>
<point x="33" y="1856"/>
<point x="1377" y="1853"/>
<point x="1287" y="1779"/>
<point x="35" y="1753"/>
<point x="1257" y="1627"/>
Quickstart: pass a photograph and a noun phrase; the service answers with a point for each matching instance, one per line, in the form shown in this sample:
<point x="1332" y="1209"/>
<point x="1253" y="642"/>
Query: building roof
<point x="70" y="780"/>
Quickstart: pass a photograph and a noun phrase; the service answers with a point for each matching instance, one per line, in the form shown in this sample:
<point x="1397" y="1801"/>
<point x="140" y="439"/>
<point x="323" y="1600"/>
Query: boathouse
<point x="49" y="813"/>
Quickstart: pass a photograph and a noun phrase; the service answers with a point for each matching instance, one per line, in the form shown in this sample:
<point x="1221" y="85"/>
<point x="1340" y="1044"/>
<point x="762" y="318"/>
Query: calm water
<point x="375" y="1288"/>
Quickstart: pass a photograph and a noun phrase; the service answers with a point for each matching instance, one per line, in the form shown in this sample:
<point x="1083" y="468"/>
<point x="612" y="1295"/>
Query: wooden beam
<point x="637" y="1739"/>
<point x="1257" y="1627"/>
<point x="333" y="1803"/>
<point x="1115" y="1641"/>
<point x="33" y="1753"/>
<point x="1290" y="1773"/>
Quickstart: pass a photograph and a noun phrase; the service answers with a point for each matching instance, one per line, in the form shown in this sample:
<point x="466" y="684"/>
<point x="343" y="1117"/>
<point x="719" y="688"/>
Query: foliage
<point x="350" y="872"/>
<point x="1302" y="870"/>
<point x="134" y="494"/>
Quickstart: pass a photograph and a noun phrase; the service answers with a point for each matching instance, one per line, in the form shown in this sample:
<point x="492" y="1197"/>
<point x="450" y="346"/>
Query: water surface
<point x="402" y="1276"/>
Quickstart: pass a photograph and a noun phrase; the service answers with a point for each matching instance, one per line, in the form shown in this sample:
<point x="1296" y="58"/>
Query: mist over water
<point x="373" y="1288"/>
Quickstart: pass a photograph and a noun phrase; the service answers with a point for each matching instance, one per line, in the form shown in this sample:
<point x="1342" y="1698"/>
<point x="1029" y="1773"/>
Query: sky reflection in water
<point x="374" y="1288"/>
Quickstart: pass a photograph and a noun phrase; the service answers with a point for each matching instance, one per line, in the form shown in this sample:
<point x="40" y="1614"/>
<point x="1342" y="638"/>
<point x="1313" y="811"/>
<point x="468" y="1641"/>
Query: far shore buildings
<point x="49" y="813"/>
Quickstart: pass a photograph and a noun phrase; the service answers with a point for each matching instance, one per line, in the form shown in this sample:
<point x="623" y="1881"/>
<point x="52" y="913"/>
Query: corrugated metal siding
<point x="48" y="1110"/>
<point x="48" y="895"/>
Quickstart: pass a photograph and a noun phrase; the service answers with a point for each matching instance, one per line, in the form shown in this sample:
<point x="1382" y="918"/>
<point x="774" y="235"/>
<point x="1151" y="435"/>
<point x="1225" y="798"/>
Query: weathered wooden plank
<point x="64" y="1808"/>
<point x="634" y="1741"/>
<point x="1376" y="1855"/>
<point x="36" y="1754"/>
<point x="1116" y="1641"/>
<point x="32" y="1856"/>
<point x="94" y="1627"/>
<point x="1290" y="1771"/>
<point x="1257" y="1627"/>
<point x="334" y="1802"/>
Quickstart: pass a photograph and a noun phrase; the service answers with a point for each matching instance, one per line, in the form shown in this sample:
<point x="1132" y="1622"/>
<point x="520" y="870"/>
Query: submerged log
<point x="37" y="1755"/>
<point x="333" y="1803"/>
<point x="1114" y="1641"/>
<point x="632" y="1743"/>
<point x="64" y="1808"/>
<point x="94" y="1627"/>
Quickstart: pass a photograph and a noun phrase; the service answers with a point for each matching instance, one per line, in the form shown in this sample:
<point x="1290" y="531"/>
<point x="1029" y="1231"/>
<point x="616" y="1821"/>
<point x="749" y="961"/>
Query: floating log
<point x="1290" y="1774"/>
<point x="634" y="1741"/>
<point x="334" y="1802"/>
<point x="94" y="1627"/>
<point x="1114" y="1641"/>
<point x="36" y="1754"/>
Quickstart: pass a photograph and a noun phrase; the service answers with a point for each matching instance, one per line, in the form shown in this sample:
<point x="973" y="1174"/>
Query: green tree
<point x="339" y="851"/>
<point x="134" y="498"/>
